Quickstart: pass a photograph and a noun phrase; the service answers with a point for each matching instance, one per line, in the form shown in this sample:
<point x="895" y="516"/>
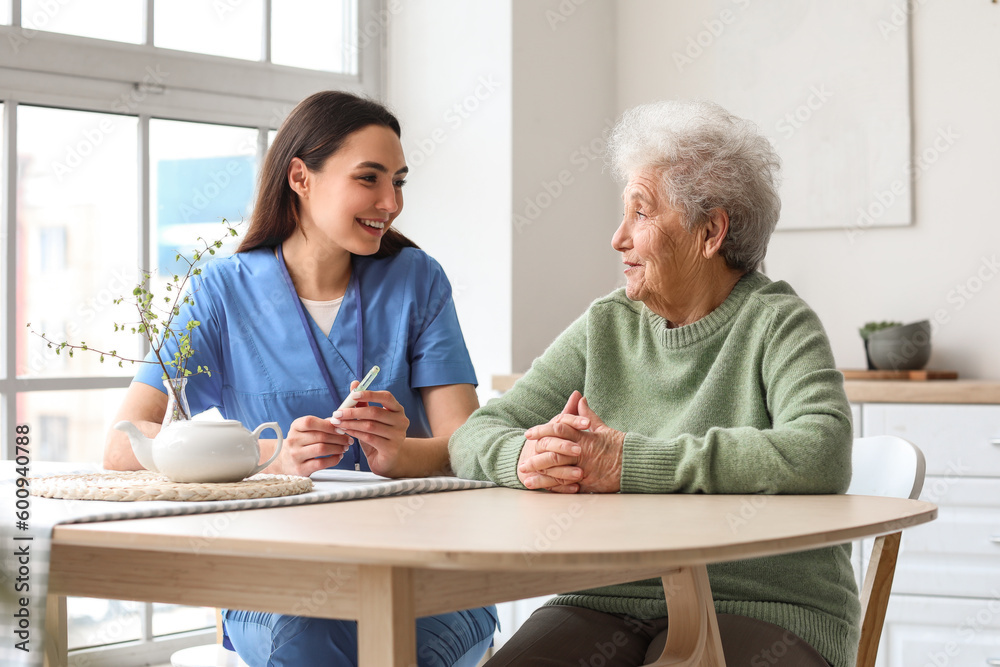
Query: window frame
<point x="129" y="80"/>
<point x="145" y="81"/>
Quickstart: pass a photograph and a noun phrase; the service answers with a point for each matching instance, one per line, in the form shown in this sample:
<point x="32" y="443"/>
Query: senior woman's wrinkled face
<point x="661" y="257"/>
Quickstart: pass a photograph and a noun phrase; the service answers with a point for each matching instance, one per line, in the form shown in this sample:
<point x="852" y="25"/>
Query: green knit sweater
<point x="745" y="400"/>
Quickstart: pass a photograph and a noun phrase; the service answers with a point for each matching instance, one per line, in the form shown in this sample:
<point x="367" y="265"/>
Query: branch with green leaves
<point x="155" y="322"/>
<point x="871" y="327"/>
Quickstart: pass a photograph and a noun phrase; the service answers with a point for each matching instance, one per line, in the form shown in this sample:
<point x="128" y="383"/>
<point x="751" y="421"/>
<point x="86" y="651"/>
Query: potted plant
<point x="156" y="325"/>
<point x="893" y="346"/>
<point x="867" y="330"/>
<point x="183" y="451"/>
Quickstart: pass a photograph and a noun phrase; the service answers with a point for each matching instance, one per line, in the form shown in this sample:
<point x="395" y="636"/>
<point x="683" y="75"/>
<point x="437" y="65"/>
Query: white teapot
<point x="202" y="451"/>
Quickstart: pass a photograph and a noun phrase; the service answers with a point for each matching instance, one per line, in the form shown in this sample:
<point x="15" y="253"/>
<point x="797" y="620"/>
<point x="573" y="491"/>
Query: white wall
<point x="449" y="81"/>
<point x="907" y="273"/>
<point x="566" y="66"/>
<point x="566" y="207"/>
<point x="508" y="192"/>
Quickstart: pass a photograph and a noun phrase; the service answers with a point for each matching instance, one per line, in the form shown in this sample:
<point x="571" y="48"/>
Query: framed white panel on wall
<point x="829" y="84"/>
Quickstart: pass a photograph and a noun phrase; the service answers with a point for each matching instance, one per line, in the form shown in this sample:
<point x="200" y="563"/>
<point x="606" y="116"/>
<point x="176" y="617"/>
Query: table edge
<point x="92" y="535"/>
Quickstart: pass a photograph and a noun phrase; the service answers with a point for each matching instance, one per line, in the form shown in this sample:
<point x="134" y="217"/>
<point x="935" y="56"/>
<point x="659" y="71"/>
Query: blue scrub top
<point x="263" y="369"/>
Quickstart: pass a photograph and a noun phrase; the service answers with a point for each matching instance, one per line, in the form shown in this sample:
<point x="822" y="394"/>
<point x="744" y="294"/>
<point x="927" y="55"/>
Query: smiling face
<point x="354" y="198"/>
<point x="662" y="259"/>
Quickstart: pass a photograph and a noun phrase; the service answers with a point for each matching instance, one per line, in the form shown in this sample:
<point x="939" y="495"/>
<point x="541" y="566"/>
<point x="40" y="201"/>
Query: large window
<point x="130" y="128"/>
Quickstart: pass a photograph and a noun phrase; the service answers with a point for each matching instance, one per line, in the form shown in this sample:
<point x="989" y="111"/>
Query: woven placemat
<point x="144" y="485"/>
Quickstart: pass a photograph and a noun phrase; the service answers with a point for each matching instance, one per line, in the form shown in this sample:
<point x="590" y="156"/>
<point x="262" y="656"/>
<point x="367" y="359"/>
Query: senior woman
<point x="700" y="376"/>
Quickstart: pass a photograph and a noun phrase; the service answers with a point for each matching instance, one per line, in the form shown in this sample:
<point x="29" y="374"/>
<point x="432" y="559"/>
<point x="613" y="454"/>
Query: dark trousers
<point x="566" y="636"/>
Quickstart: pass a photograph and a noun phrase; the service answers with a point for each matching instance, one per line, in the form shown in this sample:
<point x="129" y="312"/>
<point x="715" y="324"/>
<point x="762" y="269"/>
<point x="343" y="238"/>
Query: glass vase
<point x="177" y="402"/>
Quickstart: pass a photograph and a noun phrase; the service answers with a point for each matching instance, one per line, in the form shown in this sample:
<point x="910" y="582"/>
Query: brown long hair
<point x="315" y="129"/>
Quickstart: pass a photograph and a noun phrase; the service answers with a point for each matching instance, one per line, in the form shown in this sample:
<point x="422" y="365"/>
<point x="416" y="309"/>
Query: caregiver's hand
<point x="380" y="429"/>
<point x="309" y="438"/>
<point x="598" y="465"/>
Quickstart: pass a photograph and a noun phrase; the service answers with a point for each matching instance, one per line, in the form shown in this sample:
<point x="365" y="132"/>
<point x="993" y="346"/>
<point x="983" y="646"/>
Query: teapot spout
<point x="142" y="446"/>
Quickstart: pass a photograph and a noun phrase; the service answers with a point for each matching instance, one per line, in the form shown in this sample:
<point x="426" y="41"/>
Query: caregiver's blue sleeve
<point x="439" y="355"/>
<point x="203" y="391"/>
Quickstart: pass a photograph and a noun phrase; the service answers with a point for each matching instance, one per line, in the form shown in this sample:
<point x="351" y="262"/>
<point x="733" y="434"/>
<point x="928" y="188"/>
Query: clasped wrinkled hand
<point x="574" y="452"/>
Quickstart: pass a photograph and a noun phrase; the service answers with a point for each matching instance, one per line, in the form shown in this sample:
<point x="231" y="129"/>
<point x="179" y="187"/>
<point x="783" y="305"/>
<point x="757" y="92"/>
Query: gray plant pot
<point x="902" y="348"/>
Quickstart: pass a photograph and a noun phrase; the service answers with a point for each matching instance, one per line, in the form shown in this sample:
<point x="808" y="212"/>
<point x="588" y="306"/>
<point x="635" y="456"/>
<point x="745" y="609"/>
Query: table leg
<point x="56" y="643"/>
<point x="387" y="627"/>
<point x="693" y="630"/>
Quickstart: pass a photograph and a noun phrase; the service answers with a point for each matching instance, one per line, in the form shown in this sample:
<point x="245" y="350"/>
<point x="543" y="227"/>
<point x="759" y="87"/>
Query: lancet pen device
<point x="368" y="379"/>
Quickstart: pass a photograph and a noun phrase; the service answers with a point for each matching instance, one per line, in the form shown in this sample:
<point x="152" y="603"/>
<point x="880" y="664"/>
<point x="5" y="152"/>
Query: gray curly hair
<point x="707" y="158"/>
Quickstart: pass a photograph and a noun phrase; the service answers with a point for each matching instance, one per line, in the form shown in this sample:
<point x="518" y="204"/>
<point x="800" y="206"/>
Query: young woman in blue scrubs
<point x="320" y="290"/>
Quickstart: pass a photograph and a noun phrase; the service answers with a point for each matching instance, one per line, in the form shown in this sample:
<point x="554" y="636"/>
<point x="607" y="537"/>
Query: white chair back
<point x="886" y="465"/>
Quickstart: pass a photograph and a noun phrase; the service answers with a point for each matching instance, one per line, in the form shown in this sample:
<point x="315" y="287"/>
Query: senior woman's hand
<point x="564" y="456"/>
<point x="551" y="468"/>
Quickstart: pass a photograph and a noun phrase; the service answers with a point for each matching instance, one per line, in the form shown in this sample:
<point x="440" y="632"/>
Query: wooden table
<point x="387" y="561"/>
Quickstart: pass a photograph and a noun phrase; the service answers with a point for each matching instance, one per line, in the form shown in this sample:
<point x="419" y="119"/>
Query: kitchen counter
<point x="884" y="391"/>
<point x="923" y="391"/>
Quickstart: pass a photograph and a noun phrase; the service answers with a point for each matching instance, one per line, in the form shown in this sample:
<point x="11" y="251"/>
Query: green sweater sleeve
<point x="805" y="449"/>
<point x="489" y="444"/>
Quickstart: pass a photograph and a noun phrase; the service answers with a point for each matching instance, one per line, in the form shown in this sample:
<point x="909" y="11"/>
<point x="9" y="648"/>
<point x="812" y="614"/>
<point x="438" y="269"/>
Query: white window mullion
<point x="8" y="286"/>
<point x="371" y="59"/>
<point x="351" y="36"/>
<point x="177" y="71"/>
<point x="145" y="215"/>
<point x="265" y="53"/>
<point x="147" y="622"/>
<point x="15" y="13"/>
<point x="147" y="23"/>
<point x="262" y="133"/>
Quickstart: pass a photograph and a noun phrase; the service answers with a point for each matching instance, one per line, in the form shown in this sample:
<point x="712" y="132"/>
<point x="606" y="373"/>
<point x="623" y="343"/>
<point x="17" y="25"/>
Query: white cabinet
<point x="945" y="603"/>
<point x="941" y="632"/>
